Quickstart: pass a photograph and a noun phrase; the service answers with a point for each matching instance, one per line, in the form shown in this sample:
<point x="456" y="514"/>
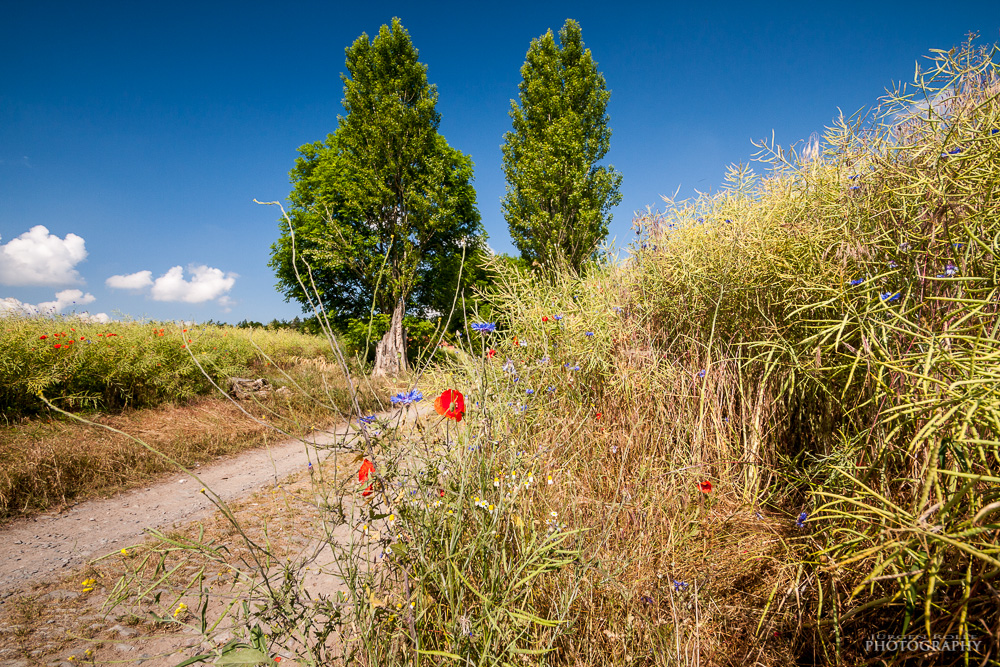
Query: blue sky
<point x="138" y="134"/>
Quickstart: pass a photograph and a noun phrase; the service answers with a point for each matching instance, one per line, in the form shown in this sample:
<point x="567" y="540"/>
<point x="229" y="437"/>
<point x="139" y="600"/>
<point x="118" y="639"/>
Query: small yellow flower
<point x="202" y="490"/>
<point x="88" y="585"/>
<point x="124" y="552"/>
<point x="71" y="658"/>
<point x="181" y="608"/>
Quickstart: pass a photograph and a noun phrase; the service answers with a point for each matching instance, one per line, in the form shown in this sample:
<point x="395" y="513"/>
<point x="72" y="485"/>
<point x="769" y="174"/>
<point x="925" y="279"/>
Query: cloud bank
<point x="37" y="257"/>
<point x="64" y="299"/>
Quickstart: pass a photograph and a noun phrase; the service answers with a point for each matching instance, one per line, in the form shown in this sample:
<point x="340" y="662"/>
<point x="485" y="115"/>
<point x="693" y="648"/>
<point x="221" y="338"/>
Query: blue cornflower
<point x="530" y="392"/>
<point x="680" y="585"/>
<point x="729" y="222"/>
<point x="892" y="265"/>
<point x="407" y="397"/>
<point x="950" y="270"/>
<point x="701" y="373"/>
<point x="557" y="317"/>
<point x="589" y="333"/>
<point x="543" y="360"/>
<point x="801" y="523"/>
<point x="574" y="368"/>
<point x="857" y="281"/>
<point x="484" y="327"/>
<point x="370" y="419"/>
<point x="855" y="187"/>
<point x="889" y="296"/>
<point x="646" y="599"/>
<point x="550" y="389"/>
<point x="854" y="177"/>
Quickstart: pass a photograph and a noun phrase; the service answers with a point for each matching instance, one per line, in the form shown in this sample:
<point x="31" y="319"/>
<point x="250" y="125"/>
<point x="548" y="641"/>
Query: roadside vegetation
<point x="153" y="378"/>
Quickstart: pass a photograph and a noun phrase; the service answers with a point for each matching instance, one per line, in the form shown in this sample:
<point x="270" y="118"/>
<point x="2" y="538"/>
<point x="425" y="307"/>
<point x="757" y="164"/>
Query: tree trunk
<point x="390" y="353"/>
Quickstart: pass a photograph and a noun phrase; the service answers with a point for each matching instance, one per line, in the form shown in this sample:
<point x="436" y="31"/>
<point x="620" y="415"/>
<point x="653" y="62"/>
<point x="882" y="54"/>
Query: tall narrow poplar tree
<point x="384" y="208"/>
<point x="558" y="199"/>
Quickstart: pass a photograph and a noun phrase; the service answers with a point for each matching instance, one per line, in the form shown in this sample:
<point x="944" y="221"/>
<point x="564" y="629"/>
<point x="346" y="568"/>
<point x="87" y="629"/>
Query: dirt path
<point x="38" y="548"/>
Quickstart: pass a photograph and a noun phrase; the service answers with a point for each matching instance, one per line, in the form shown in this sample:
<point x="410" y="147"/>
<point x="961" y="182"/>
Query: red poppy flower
<point x="57" y="346"/>
<point x="598" y="415"/>
<point x="705" y="487"/>
<point x="545" y="318"/>
<point x="491" y="353"/>
<point x="367" y="492"/>
<point x="451" y="404"/>
<point x="366" y="468"/>
<point x="441" y="492"/>
<point x="42" y="337"/>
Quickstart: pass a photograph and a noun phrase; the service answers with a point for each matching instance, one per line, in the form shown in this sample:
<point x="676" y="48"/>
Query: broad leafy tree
<point x="558" y="198"/>
<point x="383" y="208"/>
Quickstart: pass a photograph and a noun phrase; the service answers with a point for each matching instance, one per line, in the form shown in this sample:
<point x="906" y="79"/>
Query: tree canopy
<point x="558" y="198"/>
<point x="383" y="208"/>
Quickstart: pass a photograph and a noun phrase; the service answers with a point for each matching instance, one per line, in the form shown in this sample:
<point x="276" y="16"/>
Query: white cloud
<point x="37" y="257"/>
<point x="226" y="303"/>
<point x="65" y="298"/>
<point x="11" y="306"/>
<point x="99" y="318"/>
<point x="137" y="280"/>
<point x="206" y="284"/>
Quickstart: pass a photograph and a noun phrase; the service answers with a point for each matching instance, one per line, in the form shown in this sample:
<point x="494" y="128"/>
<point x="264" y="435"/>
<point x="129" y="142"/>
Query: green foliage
<point x="558" y="198"/>
<point x="130" y="364"/>
<point x="384" y="209"/>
